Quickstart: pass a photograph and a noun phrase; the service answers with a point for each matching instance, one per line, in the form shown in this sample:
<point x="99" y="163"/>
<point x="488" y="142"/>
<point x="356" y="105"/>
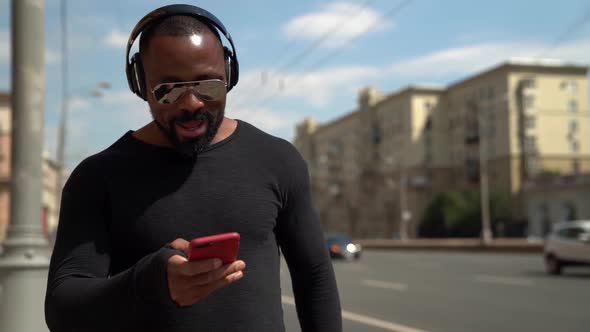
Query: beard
<point x="193" y="146"/>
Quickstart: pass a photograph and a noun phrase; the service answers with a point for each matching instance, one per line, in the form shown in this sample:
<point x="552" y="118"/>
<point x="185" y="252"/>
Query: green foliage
<point x="458" y="214"/>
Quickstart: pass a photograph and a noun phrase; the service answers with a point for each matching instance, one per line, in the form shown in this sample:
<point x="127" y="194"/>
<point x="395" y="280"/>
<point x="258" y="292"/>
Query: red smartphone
<point x="223" y="246"/>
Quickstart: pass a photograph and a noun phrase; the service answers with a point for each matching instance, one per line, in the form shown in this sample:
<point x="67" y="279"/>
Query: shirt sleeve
<point x="302" y="242"/>
<point x="81" y="295"/>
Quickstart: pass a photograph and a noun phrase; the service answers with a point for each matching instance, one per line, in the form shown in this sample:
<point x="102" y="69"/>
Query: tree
<point x="458" y="214"/>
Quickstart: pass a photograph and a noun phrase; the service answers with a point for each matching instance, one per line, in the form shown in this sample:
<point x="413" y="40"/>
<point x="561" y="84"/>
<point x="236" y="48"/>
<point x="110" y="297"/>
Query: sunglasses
<point x="206" y="90"/>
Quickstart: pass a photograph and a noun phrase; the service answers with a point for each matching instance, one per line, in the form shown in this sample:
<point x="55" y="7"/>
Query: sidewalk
<point x="466" y="244"/>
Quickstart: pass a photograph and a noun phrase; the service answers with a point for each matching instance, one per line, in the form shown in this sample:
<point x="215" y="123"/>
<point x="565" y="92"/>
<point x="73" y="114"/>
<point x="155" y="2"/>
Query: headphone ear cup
<point x="131" y="76"/>
<point x="228" y="69"/>
<point x="139" y="76"/>
<point x="231" y="68"/>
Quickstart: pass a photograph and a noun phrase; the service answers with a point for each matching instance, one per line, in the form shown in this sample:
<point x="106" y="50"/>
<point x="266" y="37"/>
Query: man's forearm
<point x="78" y="301"/>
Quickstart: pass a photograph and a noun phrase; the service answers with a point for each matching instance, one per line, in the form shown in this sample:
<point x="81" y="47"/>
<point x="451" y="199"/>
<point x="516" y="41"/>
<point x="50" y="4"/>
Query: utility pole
<point x="63" y="116"/>
<point x="24" y="264"/>
<point x="486" y="232"/>
<point x="403" y="205"/>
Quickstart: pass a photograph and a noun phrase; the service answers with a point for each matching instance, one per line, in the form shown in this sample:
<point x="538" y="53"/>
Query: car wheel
<point x="553" y="265"/>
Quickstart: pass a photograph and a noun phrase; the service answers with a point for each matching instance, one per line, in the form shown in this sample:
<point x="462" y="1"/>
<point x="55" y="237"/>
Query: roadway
<point x="451" y="291"/>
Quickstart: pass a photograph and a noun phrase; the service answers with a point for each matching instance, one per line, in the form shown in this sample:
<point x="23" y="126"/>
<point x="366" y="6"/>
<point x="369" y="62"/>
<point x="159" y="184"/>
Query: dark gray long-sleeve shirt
<point x="121" y="207"/>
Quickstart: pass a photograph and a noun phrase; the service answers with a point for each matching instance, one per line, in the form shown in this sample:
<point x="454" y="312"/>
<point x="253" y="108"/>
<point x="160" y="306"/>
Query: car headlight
<point x="351" y="247"/>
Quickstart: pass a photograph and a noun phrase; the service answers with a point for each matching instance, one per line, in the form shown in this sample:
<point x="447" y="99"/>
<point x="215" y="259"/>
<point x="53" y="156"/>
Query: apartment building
<point x="49" y="173"/>
<point x="377" y="168"/>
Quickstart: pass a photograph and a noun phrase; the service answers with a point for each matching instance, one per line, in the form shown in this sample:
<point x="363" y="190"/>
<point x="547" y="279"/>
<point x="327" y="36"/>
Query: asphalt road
<point x="446" y="291"/>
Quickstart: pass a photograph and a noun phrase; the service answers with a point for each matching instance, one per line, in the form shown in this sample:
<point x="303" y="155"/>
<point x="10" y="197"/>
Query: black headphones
<point x="134" y="67"/>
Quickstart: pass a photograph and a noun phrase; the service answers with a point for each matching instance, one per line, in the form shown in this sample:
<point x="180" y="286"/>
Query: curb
<point x="470" y="245"/>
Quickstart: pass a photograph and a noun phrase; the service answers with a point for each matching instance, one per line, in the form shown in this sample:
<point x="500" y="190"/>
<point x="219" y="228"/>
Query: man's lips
<point x="191" y="129"/>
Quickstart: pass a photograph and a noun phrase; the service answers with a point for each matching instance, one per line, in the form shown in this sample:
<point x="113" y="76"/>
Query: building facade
<point x="49" y="173"/>
<point x="376" y="169"/>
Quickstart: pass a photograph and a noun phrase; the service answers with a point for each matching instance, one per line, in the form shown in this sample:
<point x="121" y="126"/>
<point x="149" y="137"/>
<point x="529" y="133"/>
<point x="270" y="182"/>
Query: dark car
<point x="341" y="246"/>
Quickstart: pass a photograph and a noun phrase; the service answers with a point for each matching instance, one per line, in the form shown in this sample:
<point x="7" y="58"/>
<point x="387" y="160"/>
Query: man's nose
<point x="190" y="102"/>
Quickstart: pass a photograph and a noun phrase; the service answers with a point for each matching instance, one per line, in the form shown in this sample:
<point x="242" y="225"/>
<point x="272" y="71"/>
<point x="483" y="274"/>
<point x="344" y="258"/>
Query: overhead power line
<point x="339" y="50"/>
<point x="313" y="46"/>
<point x="567" y="33"/>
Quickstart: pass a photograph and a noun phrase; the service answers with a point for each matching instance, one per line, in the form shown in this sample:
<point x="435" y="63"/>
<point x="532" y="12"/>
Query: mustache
<point x="198" y="116"/>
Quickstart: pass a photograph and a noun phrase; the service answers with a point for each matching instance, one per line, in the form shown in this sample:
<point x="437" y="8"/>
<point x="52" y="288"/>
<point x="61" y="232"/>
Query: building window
<point x="530" y="122"/>
<point x="335" y="148"/>
<point x="573" y="106"/>
<point x="376" y="133"/>
<point x="573" y="125"/>
<point x="472" y="170"/>
<point x="528" y="83"/>
<point x="491" y="93"/>
<point x="569" y="86"/>
<point x="428" y="124"/>
<point x="575" y="146"/>
<point x="529" y="102"/>
<point x="570" y="211"/>
<point x="576" y="166"/>
<point x="530" y="144"/>
<point x="532" y="166"/>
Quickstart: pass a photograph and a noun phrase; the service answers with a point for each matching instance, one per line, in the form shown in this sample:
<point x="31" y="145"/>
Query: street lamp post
<point x="486" y="232"/>
<point x="25" y="261"/>
<point x="404" y="213"/>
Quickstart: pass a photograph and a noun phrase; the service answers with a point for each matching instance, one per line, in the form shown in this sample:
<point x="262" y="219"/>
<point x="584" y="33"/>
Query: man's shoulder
<point x="96" y="163"/>
<point x="266" y="140"/>
<point x="273" y="149"/>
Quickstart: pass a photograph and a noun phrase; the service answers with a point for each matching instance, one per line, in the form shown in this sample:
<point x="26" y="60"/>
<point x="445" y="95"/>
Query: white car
<point x="568" y="244"/>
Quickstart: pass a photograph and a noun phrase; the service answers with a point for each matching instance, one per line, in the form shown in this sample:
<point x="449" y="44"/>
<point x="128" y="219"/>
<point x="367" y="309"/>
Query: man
<point x="128" y="212"/>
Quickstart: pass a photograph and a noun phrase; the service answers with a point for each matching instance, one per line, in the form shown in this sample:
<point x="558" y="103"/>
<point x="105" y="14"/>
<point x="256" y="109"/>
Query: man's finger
<point x="229" y="279"/>
<point x="180" y="244"/>
<point x="194" y="268"/>
<point x="218" y="274"/>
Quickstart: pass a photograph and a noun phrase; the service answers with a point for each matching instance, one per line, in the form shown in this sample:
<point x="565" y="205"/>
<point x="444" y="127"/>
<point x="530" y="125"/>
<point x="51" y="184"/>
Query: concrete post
<point x="24" y="263"/>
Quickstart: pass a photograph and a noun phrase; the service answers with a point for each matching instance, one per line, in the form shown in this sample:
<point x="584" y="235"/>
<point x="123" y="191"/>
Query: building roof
<point x="511" y="64"/>
<point x="533" y="64"/>
<point x="422" y="88"/>
<point x="338" y="120"/>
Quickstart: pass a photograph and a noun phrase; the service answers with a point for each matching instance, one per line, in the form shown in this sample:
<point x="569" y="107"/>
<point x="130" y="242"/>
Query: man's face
<point x="191" y="117"/>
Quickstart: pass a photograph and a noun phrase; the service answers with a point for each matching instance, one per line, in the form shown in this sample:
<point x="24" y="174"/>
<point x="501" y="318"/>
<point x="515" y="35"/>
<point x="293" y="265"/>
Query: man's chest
<point x="148" y="213"/>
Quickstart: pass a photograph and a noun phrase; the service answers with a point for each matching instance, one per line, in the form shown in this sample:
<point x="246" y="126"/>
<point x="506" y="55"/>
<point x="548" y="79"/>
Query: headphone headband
<point x="180" y="9"/>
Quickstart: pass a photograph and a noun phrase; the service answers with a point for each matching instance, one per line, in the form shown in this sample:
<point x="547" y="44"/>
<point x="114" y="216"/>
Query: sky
<point x="298" y="58"/>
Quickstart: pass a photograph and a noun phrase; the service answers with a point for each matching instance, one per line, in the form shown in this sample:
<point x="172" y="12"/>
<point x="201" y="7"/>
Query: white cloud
<point x="78" y="103"/>
<point x="314" y="88"/>
<point x="51" y="56"/>
<point x="256" y="103"/>
<point x="477" y="57"/>
<point x="116" y="39"/>
<point x="265" y="119"/>
<point x="126" y="108"/>
<point x="343" y="20"/>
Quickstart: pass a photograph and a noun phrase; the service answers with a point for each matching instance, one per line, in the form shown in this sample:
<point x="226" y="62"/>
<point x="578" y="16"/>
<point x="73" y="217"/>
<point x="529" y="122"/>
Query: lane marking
<point x="384" y="285"/>
<point x="362" y="319"/>
<point x="511" y="281"/>
<point x="427" y="265"/>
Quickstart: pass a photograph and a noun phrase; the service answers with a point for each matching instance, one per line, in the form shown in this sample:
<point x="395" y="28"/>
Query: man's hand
<point x="190" y="282"/>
